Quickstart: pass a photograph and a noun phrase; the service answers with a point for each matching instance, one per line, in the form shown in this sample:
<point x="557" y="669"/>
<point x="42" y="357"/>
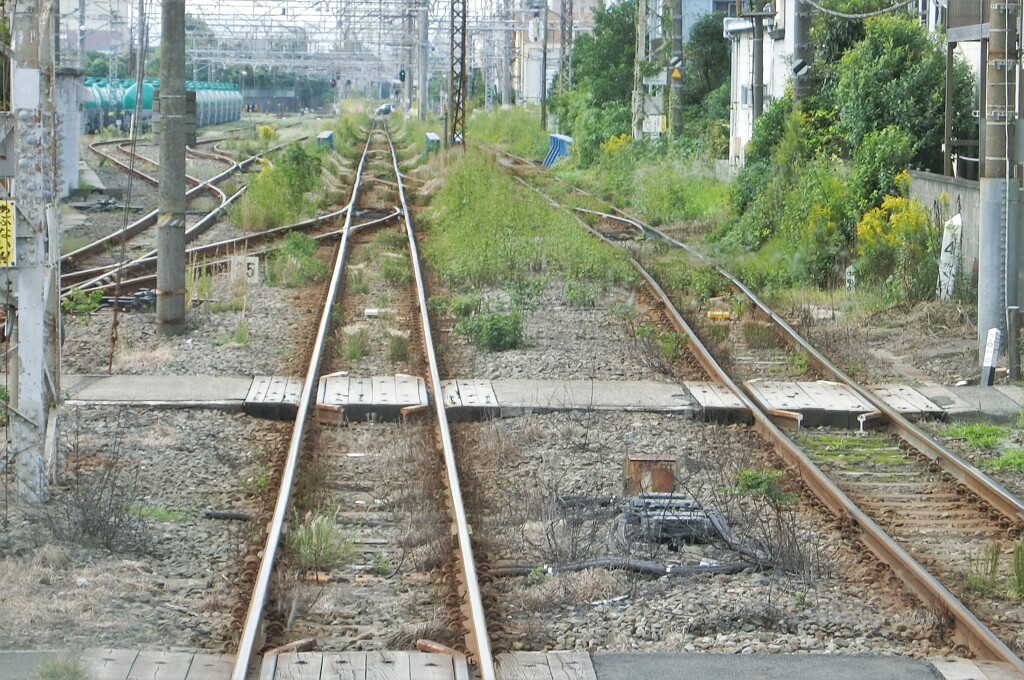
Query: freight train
<point x="112" y="103"/>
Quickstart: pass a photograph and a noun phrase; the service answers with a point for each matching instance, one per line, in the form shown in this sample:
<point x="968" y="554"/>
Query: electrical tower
<point x="457" y="79"/>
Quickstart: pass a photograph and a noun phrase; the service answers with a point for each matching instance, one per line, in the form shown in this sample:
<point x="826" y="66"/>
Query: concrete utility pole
<point x="802" y="52"/>
<point x="170" y="264"/>
<point x="544" y="71"/>
<point x="757" y="67"/>
<point x="506" y="16"/>
<point x="30" y="225"/>
<point x="409" y="37"/>
<point x="677" y="57"/>
<point x="638" y="73"/>
<point x="424" y="63"/>
<point x="81" y="34"/>
<point x="999" y="226"/>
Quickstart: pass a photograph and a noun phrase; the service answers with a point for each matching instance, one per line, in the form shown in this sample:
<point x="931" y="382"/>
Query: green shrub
<point x="494" y="331"/>
<point x="1011" y="460"/>
<point x="898" y="246"/>
<point x="670" y="345"/>
<point x="355" y="345"/>
<point x="581" y="293"/>
<point x="764" y="483"/>
<point x="396" y="271"/>
<point x="876" y="163"/>
<point x="759" y="335"/>
<point x="398" y="347"/>
<point x="295" y="263"/>
<point x="317" y="544"/>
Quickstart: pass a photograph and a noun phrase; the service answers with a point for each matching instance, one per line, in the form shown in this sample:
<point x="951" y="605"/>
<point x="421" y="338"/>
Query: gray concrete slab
<point x="24" y="665"/>
<point x="161" y="391"/>
<point x="665" y="666"/>
<point x="515" y="396"/>
<point x="989" y="404"/>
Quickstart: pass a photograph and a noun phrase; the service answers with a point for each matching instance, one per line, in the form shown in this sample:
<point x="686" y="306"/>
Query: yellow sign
<point x="6" y="233"/>
<point x="676" y="74"/>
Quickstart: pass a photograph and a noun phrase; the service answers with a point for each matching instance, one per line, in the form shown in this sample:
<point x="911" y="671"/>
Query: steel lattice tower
<point x="457" y="79"/>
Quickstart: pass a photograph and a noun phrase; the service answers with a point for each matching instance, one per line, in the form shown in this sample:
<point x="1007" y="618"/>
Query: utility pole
<point x="423" y="103"/>
<point x="638" y="71"/>
<point x="506" y="18"/>
<point x="30" y="251"/>
<point x="999" y="226"/>
<point x="565" y="77"/>
<point x="81" y="34"/>
<point x="170" y="264"/>
<point x="802" y="52"/>
<point x="544" y="70"/>
<point x="407" y="52"/>
<point x="757" y="81"/>
<point x="676" y="75"/>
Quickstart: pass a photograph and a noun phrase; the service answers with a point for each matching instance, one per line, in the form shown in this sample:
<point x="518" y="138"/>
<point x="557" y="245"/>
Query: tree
<point x="598" y="105"/>
<point x="896" y="76"/>
<point x="706" y="59"/>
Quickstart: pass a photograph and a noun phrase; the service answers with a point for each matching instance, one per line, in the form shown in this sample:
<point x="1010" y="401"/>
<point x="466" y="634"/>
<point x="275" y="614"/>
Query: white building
<point x="777" y="66"/>
<point x="107" y="26"/>
<point x="777" y="62"/>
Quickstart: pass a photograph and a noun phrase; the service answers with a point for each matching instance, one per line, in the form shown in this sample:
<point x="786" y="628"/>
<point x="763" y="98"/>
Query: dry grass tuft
<point x="132" y="360"/>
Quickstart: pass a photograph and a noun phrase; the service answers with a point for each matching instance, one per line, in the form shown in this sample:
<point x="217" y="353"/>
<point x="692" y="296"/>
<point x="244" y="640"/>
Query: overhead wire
<point x="861" y="15"/>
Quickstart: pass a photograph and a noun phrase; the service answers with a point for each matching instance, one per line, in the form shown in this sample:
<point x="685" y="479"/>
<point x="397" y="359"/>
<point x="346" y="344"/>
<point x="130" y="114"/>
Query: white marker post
<point x="988" y="369"/>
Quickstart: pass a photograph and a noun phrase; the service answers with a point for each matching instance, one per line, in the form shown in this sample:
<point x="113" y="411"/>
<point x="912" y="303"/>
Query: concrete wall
<point x="961" y="195"/>
<point x="69" y="128"/>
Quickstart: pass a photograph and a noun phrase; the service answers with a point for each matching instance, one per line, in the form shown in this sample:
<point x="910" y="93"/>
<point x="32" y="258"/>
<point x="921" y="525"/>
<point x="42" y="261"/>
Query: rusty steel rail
<point x="214" y="253"/>
<point x="71" y="280"/>
<point x="252" y="626"/>
<point x="966" y="628"/>
<point x="477" y="639"/>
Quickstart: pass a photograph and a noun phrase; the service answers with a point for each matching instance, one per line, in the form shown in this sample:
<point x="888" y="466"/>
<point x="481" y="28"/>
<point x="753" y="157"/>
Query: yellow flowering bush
<point x="898" y="246"/>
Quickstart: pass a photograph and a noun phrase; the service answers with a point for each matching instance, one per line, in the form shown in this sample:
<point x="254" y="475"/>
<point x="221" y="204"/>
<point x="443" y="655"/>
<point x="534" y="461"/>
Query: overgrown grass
<point x="317" y="544"/>
<point x="60" y="669"/>
<point x="524" y="236"/>
<point x="356" y="345"/>
<point x="398" y="347"/>
<point x="1011" y="460"/>
<point x="295" y="263"/>
<point x="516" y="130"/>
<point x="496" y="330"/>
<point x="983" y="436"/>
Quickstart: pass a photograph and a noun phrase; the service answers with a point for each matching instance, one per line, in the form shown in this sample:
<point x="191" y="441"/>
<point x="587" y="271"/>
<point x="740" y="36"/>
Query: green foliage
<point x="398" y="347"/>
<point x="396" y="271"/>
<point x="982" y="575"/>
<point x="896" y="76"/>
<point x="295" y="263"/>
<point x="82" y="302"/>
<point x="60" y="669"/>
<point x="876" y="163"/>
<point x="670" y="345"/>
<point x="705" y="58"/>
<point x="355" y="345"/>
<point x="581" y="294"/>
<point x="764" y="483"/>
<point x="524" y="235"/>
<point x="317" y="544"/>
<point x="278" y="195"/>
<point x="983" y="436"/>
<point x="537" y="576"/>
<point x="495" y="331"/>
<point x="1017" y="585"/>
<point x="357" y="283"/>
<point x="760" y="335"/>
<point x="898" y="246"/>
<point x="1011" y="460"/>
<point x="515" y="129"/>
<point x="381" y="566"/>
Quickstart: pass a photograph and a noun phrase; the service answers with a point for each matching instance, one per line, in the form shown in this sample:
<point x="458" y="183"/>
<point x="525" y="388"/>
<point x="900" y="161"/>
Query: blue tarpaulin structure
<point x="559" y="147"/>
<point x="325" y="138"/>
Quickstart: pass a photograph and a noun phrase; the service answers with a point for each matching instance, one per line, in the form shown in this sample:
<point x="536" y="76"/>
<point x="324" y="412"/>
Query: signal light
<point x="401" y="76"/>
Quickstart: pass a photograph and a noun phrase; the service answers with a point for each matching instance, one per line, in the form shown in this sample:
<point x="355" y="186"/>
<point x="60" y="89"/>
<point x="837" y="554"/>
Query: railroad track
<point x="137" y="272"/>
<point x="922" y="511"/>
<point x="313" y="437"/>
